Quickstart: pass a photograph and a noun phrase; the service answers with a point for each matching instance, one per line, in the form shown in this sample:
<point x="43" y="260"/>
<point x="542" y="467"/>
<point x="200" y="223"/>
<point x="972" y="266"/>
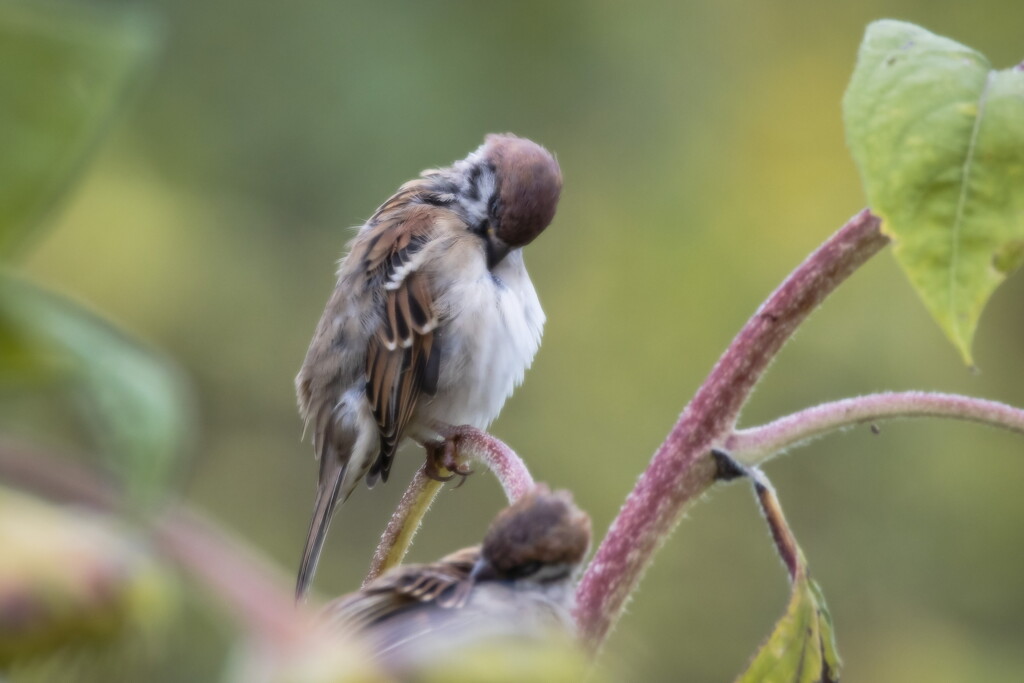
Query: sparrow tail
<point x="323" y="509"/>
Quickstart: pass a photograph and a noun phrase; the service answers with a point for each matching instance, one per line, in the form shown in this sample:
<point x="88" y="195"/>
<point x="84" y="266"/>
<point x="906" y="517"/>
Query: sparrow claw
<point x="432" y="471"/>
<point x="462" y="470"/>
<point x="443" y="457"/>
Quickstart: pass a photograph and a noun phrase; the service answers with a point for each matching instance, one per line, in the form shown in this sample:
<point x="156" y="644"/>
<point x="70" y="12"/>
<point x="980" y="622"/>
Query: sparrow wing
<point x="403" y="356"/>
<point x="445" y="584"/>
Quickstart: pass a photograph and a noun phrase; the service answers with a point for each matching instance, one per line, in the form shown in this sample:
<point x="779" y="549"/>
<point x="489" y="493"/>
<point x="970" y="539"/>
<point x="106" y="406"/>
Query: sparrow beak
<point x="496" y="248"/>
<point x="482" y="571"/>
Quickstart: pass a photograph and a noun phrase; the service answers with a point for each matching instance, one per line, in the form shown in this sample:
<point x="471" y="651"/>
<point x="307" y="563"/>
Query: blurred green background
<point x="703" y="154"/>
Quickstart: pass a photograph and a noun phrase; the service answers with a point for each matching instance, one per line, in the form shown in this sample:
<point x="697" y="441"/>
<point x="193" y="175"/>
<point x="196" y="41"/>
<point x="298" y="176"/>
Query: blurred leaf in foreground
<point x="802" y="647"/>
<point x="134" y="399"/>
<point x="70" y="579"/>
<point x="331" y="657"/>
<point x="317" y="658"/>
<point x="65" y="69"/>
<point x="939" y="139"/>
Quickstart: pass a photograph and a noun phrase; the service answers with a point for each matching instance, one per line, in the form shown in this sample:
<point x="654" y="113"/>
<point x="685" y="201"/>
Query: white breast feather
<point x="491" y="335"/>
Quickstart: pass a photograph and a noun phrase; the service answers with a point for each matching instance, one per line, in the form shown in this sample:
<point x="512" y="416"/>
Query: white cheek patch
<point x="486" y="183"/>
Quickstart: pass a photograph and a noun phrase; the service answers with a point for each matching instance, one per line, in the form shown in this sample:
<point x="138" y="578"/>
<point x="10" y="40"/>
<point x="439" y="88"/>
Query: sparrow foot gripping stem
<point x="443" y="456"/>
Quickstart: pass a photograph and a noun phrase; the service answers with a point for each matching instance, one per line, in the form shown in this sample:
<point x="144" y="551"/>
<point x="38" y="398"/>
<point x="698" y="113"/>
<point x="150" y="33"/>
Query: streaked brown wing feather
<point x="445" y="583"/>
<point x="402" y="359"/>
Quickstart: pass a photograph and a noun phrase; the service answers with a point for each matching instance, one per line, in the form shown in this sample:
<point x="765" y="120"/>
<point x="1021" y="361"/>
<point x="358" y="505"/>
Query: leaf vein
<point x="961" y="203"/>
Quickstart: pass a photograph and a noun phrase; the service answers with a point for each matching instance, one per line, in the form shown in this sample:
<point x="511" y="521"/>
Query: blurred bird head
<point x="542" y="538"/>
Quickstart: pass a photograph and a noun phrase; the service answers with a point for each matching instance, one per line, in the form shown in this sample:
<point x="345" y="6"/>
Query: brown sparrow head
<point x="518" y="583"/>
<point x="526" y="199"/>
<point x="541" y="538"/>
<point x="433" y="320"/>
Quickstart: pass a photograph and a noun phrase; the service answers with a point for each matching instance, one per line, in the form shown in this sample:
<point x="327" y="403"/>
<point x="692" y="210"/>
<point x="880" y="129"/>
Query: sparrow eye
<point x="524" y="570"/>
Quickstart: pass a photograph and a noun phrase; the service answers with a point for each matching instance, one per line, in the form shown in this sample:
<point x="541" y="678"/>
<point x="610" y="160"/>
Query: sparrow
<point x="433" y="320"/>
<point x="518" y="584"/>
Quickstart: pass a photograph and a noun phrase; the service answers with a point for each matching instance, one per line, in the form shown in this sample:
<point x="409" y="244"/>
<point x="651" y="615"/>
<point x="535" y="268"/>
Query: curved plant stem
<point x="468" y="444"/>
<point x="785" y="541"/>
<point x="404" y="524"/>
<point x="477" y="445"/>
<point x="236" y="573"/>
<point x="757" y="444"/>
<point x="682" y="468"/>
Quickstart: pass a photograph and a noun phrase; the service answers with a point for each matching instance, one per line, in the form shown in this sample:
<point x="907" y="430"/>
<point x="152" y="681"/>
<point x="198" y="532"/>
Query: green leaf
<point x="133" y="398"/>
<point x="65" y="69"/>
<point x="939" y="140"/>
<point x="802" y="647"/>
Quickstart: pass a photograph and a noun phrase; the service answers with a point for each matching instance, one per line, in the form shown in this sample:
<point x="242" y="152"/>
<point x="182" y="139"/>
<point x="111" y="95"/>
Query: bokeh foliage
<point x="65" y="74"/>
<point x="75" y="587"/>
<point x="80" y="596"/>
